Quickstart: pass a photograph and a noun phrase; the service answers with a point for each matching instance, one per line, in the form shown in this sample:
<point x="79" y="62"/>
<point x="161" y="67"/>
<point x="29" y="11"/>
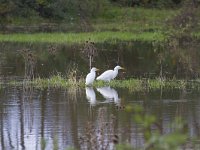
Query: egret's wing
<point x="89" y="78"/>
<point x="107" y="75"/>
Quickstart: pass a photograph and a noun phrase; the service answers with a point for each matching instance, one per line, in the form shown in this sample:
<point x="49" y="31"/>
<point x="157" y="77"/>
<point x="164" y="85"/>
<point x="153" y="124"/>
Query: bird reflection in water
<point x="109" y="94"/>
<point x="91" y="96"/>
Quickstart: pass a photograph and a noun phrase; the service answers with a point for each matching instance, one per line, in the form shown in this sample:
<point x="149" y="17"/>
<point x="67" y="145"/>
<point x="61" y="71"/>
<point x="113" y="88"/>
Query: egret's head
<point x="118" y="67"/>
<point x="94" y="69"/>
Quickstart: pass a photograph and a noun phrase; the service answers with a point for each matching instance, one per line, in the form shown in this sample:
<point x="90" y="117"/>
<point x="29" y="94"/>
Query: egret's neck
<point x="115" y="73"/>
<point x="93" y="72"/>
<point x="116" y="70"/>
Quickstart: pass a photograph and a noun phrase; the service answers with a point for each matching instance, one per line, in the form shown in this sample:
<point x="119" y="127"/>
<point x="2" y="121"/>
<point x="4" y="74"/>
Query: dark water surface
<point x="51" y="118"/>
<point x="139" y="58"/>
<point x="60" y="117"/>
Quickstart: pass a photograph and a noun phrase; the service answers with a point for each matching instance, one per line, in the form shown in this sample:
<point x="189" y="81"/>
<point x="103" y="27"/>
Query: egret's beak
<point x="97" y="69"/>
<point x="122" y="68"/>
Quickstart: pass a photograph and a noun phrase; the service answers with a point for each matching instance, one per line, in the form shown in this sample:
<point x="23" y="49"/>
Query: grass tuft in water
<point x="54" y="81"/>
<point x="58" y="81"/>
<point x="74" y="81"/>
<point x="146" y="84"/>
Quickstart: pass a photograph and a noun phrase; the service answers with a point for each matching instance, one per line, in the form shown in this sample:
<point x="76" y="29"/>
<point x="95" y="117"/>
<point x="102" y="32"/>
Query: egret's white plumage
<point x="109" y="74"/>
<point x="91" y="76"/>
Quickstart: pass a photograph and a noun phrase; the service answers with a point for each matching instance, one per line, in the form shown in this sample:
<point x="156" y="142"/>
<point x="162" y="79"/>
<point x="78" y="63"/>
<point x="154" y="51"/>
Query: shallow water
<point x="29" y="116"/>
<point x="32" y="118"/>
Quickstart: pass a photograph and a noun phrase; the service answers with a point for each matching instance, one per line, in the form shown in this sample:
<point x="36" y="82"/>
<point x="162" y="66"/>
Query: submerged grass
<point x="72" y="38"/>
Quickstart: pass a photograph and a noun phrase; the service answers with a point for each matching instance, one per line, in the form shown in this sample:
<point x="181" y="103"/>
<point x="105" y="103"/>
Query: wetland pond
<point x="92" y="117"/>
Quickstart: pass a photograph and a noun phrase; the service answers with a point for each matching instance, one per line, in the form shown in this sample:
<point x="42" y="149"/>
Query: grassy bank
<point x="115" y="23"/>
<point x="70" y="38"/>
<point x="136" y="19"/>
<point x="112" y="18"/>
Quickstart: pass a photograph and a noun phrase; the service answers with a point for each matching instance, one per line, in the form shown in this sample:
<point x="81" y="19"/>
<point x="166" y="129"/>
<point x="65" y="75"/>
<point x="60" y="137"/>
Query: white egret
<point x="109" y="74"/>
<point x="91" y="76"/>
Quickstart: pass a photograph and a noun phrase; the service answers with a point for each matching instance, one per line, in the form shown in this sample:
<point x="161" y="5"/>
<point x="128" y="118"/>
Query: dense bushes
<point x="59" y="9"/>
<point x="149" y="3"/>
<point x="68" y="9"/>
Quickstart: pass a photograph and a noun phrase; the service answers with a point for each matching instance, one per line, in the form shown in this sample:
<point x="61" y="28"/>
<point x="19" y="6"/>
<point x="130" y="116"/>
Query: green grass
<point x="137" y="13"/>
<point x="130" y="84"/>
<point x="135" y="19"/>
<point x="113" y="17"/>
<point x="196" y="35"/>
<point x="150" y="84"/>
<point x="114" y="24"/>
<point x="55" y="81"/>
<point x="71" y="38"/>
